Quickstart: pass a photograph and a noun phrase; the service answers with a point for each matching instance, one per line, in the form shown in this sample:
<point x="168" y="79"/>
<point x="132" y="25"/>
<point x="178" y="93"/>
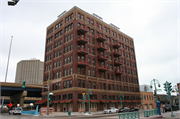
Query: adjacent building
<point x="147" y="100"/>
<point x="145" y="88"/>
<point x="30" y="71"/>
<point x="82" y="52"/>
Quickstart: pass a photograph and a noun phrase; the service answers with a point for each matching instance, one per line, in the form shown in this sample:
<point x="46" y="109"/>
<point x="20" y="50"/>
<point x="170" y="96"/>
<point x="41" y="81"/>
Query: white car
<point x="111" y="110"/>
<point x="15" y="111"/>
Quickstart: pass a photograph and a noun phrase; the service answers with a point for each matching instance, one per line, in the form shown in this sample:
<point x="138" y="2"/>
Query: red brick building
<point x="82" y="52"/>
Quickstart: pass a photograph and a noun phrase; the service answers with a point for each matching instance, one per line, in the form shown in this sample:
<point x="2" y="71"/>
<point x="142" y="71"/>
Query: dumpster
<point x="69" y="112"/>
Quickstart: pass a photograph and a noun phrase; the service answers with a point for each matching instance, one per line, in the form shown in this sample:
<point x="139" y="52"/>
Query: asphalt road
<point x="166" y="115"/>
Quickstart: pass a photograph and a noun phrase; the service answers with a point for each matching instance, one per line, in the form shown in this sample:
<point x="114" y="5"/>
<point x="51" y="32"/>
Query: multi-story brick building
<point x="82" y="52"/>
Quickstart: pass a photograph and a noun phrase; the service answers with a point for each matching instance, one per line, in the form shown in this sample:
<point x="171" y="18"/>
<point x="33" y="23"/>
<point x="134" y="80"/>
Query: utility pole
<point x="7" y="70"/>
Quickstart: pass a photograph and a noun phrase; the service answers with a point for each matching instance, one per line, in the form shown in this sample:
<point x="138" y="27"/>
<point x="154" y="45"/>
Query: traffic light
<point x="23" y="84"/>
<point x="159" y="98"/>
<point x="165" y="87"/>
<point x="155" y="93"/>
<point x="169" y="87"/>
<point x="84" y="96"/>
<point x="50" y="99"/>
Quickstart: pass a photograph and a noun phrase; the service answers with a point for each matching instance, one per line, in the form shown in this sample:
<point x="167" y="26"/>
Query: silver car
<point x="15" y="111"/>
<point x="111" y="110"/>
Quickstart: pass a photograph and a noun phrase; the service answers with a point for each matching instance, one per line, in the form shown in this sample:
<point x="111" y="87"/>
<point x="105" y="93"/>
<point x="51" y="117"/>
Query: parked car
<point x="168" y="108"/>
<point x="124" y="109"/>
<point x="111" y="110"/>
<point x="175" y="107"/>
<point x="15" y="111"/>
<point x="134" y="109"/>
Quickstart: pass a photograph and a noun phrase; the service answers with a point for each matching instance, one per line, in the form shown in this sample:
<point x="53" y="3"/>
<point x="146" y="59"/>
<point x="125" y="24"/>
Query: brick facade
<point x="81" y="54"/>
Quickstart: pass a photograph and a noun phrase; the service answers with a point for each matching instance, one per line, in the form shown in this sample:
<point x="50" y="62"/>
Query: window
<point x="68" y="60"/>
<point x="111" y="76"/>
<point x="89" y="72"/>
<point x="67" y="82"/>
<point x="70" y="96"/>
<point x="93" y="52"/>
<point x="70" y="83"/>
<point x="83" y="83"/>
<point x="90" y="84"/>
<point x="100" y="27"/>
<point x="117" y="87"/>
<point x="109" y="86"/>
<point x="82" y="17"/>
<point x="88" y="20"/>
<point x="89" y="60"/>
<point x="59" y="74"/>
<point x="94" y="85"/>
<point x="94" y="73"/>
<point x="104" y="86"/>
<point x="112" y="86"/>
<point x="71" y="46"/>
<point x="64" y="84"/>
<point x="92" y="22"/>
<point x="67" y="72"/>
<point x="89" y="50"/>
<point x="93" y="62"/>
<point x="92" y="31"/>
<point x="88" y="39"/>
<point x="71" y="58"/>
<point x="79" y="16"/>
<point x="79" y="83"/>
<point x="83" y="71"/>
<point x="108" y="76"/>
<point x="92" y="41"/>
<point x="71" y="71"/>
<point x="111" y="66"/>
<point x="60" y="63"/>
<point x="65" y="97"/>
<point x="65" y="50"/>
<point x="59" y="86"/>
<point x="79" y="70"/>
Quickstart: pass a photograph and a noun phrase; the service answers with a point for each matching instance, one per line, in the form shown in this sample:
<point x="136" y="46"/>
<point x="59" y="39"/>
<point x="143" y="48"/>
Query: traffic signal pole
<point x="168" y="90"/>
<point x="155" y="89"/>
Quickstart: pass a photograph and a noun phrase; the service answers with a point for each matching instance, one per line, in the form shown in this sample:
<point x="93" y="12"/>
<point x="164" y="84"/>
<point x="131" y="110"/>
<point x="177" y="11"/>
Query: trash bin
<point x="69" y="112"/>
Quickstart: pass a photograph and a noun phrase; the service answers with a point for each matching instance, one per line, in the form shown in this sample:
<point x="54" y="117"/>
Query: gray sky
<point x="153" y="24"/>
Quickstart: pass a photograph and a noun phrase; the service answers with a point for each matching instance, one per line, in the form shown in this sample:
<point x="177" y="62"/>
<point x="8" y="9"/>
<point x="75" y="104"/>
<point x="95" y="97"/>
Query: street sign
<point x="10" y="104"/>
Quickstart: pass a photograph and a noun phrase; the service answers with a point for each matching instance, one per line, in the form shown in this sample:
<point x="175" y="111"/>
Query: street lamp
<point x="89" y="93"/>
<point x="31" y="104"/>
<point x="155" y="81"/>
<point x="121" y="96"/>
<point x="142" y="96"/>
<point x="13" y="2"/>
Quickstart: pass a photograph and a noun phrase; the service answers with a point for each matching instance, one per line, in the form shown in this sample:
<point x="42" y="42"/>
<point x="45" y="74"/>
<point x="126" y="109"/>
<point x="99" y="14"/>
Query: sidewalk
<point x="166" y="115"/>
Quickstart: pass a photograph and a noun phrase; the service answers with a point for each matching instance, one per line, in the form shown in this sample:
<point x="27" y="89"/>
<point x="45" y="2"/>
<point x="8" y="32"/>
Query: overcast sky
<point x="154" y="26"/>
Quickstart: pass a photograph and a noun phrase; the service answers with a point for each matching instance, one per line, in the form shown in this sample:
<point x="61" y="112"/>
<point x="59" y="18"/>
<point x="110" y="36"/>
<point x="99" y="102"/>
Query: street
<point x="166" y="115"/>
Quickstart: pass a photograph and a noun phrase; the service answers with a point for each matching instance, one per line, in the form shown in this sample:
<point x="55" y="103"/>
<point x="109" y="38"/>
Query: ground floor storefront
<point x="95" y="105"/>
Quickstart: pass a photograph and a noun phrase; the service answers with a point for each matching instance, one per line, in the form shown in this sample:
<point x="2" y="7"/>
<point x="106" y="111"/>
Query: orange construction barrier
<point x="43" y="110"/>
